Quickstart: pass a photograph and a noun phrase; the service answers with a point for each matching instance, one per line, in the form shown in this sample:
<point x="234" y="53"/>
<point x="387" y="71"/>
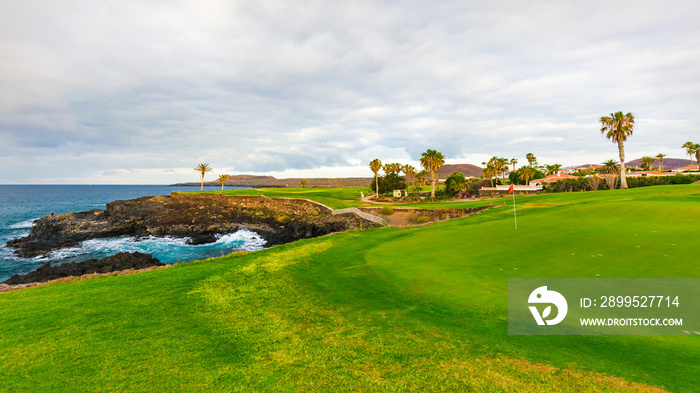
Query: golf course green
<point x="417" y="309"/>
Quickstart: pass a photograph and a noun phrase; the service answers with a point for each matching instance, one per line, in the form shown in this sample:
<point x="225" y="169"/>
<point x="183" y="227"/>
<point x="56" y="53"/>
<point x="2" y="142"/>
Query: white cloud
<point x="137" y="88"/>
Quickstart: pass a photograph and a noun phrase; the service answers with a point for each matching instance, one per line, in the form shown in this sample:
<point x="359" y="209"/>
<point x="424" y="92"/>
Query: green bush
<point x="422" y="219"/>
<point x="582" y="184"/>
<point x="285" y="218"/>
<point x="387" y="210"/>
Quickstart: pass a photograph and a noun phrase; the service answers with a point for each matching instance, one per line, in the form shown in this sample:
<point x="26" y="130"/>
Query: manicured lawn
<point x="420" y="309"/>
<point x="335" y="198"/>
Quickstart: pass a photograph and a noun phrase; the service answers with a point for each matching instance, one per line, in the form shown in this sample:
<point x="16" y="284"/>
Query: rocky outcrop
<point x="118" y="262"/>
<point x="199" y="217"/>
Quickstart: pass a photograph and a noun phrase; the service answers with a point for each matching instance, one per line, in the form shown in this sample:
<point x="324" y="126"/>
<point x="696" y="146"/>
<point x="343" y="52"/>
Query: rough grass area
<point x="420" y="309"/>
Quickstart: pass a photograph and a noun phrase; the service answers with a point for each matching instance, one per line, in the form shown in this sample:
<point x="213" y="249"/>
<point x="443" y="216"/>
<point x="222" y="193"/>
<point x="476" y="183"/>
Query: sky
<point x="139" y="92"/>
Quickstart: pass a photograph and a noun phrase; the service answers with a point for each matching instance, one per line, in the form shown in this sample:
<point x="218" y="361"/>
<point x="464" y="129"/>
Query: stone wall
<point x="288" y="206"/>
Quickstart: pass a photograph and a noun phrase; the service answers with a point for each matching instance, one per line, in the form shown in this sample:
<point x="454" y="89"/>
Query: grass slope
<point x="388" y="309"/>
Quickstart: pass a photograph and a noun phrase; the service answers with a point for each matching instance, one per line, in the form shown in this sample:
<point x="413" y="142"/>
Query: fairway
<point x="418" y="309"/>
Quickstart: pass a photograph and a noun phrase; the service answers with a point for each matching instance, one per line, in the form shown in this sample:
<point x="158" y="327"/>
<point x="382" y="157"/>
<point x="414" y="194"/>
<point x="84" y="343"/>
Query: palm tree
<point x="609" y="166"/>
<point x="618" y="127"/>
<point x="689" y="151"/>
<point x="647" y="161"/>
<point x="421" y="176"/>
<point x="392" y="168"/>
<point x="375" y="165"/>
<point x="410" y="171"/>
<point x="432" y="161"/>
<point x="303" y="182"/>
<point x="693" y="148"/>
<point x="202" y="169"/>
<point x="527" y="173"/>
<point x="531" y="159"/>
<point x="489" y="172"/>
<point x="513" y="161"/>
<point x="223" y="179"/>
<point x="660" y="159"/>
<point x="556" y="168"/>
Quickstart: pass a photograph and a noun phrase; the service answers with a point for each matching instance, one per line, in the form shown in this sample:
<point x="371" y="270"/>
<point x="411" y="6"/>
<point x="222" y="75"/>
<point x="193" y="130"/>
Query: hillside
<point x="468" y="170"/>
<point x="669" y="163"/>
<point x="271" y="181"/>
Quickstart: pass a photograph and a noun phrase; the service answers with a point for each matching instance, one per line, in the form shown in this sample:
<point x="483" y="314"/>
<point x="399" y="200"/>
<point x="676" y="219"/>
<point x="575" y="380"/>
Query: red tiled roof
<point x="553" y="178"/>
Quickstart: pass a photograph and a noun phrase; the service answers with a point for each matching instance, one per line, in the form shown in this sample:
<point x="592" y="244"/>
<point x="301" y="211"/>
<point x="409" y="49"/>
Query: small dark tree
<point x="455" y="182"/>
<point x="390" y="182"/>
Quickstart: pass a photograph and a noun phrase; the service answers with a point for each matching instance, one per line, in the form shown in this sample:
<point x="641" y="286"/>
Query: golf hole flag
<point x="515" y="217"/>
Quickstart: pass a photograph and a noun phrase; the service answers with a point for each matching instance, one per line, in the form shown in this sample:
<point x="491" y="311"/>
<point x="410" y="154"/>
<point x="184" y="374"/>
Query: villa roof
<point x="553" y="178"/>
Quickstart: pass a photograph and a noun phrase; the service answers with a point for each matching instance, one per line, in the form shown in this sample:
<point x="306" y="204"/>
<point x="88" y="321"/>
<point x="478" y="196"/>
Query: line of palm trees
<point x="203" y="169"/>
<point x="431" y="161"/>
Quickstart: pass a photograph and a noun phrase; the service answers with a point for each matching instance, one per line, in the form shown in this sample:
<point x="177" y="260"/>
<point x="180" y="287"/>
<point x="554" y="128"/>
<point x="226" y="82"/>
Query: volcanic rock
<point x="121" y="261"/>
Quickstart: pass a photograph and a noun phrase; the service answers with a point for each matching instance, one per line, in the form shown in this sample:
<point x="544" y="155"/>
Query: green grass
<point x="335" y="198"/>
<point x="420" y="309"/>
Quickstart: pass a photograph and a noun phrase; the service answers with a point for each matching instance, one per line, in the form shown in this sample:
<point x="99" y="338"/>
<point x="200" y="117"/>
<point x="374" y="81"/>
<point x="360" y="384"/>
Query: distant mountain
<point x="669" y="163"/>
<point x="271" y="181"/>
<point x="467" y="169"/>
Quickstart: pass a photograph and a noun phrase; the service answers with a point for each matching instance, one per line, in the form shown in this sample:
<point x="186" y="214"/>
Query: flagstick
<point x="515" y="217"/>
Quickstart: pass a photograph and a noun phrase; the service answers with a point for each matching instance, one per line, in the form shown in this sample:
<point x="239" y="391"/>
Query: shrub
<point x="285" y="218"/>
<point x="387" y="210"/>
<point x="422" y="219"/>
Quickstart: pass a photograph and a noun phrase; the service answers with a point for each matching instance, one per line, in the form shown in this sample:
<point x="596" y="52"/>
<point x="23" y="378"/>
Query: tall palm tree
<point x="375" y="165"/>
<point x="222" y="179"/>
<point x="660" y="159"/>
<point x="531" y="159"/>
<point x="513" y="161"/>
<point x="609" y="166"/>
<point x="696" y="150"/>
<point x="618" y="127"/>
<point x="432" y="161"/>
<point x="689" y="151"/>
<point x="647" y="161"/>
<point x="203" y="169"/>
<point x="410" y="171"/>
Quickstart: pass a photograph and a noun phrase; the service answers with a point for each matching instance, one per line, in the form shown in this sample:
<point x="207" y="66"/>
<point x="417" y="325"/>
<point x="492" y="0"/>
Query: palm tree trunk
<point x="623" y="181"/>
<point x="433" y="181"/>
<point x="202" y="186"/>
<point x="376" y="185"/>
<point x="697" y="158"/>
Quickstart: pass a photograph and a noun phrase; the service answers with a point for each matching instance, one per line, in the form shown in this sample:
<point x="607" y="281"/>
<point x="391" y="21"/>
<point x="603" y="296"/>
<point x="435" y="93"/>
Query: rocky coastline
<point x="198" y="217"/>
<point x="118" y="262"/>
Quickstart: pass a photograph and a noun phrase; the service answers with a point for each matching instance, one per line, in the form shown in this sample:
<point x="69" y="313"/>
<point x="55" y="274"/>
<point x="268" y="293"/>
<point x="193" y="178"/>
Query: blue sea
<point x="20" y="205"/>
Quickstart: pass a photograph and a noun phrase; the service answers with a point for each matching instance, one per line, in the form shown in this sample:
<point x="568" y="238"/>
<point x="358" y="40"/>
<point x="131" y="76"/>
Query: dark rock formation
<point x="199" y="217"/>
<point x="121" y="261"/>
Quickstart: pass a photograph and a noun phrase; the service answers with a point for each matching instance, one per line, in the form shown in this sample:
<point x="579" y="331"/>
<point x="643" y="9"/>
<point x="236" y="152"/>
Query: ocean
<point x="20" y="205"/>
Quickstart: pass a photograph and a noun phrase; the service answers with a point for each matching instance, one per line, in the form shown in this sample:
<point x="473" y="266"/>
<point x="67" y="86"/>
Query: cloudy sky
<point x="139" y="92"/>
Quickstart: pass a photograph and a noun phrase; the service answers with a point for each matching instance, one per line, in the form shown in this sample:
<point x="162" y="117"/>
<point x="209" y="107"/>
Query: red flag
<point x="510" y="189"/>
